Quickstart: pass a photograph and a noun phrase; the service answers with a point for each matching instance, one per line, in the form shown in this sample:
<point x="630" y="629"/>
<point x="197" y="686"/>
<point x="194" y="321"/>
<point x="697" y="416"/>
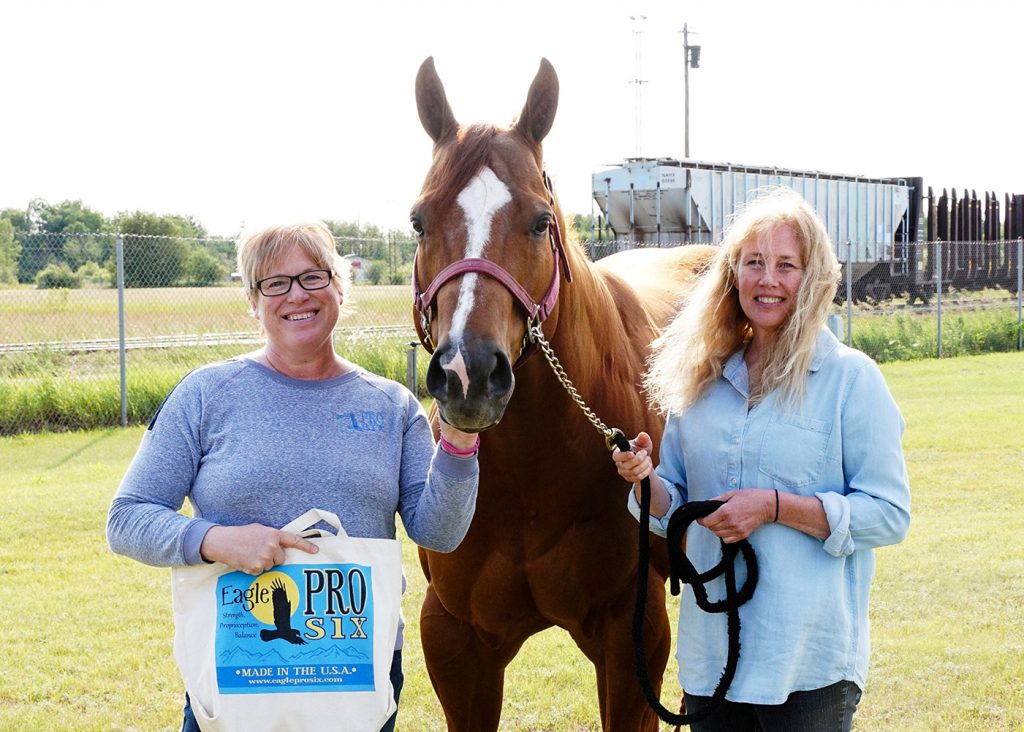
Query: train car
<point x="889" y="230"/>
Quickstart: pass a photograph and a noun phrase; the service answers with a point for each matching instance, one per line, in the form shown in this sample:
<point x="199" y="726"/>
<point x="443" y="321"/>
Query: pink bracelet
<point x="459" y="452"/>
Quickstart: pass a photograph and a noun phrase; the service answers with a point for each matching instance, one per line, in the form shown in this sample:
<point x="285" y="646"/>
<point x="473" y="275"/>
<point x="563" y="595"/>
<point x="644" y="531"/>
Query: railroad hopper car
<point x="880" y="226"/>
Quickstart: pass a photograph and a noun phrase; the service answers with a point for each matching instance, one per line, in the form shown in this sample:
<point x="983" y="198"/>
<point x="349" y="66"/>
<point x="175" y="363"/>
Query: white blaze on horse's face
<point x="480" y="201"/>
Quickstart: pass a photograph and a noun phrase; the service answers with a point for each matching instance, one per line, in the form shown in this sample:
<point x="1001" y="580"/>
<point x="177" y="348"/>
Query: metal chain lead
<point x="610" y="433"/>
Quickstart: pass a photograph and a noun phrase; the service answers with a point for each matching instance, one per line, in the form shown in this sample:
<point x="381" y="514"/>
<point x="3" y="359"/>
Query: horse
<point x="551" y="542"/>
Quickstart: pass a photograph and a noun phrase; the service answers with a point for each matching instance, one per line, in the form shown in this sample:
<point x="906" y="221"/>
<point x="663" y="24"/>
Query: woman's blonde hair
<point x="258" y="250"/>
<point x="691" y="353"/>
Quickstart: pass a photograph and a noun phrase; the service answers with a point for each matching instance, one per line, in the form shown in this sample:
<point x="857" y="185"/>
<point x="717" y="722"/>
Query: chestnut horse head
<point x="490" y="258"/>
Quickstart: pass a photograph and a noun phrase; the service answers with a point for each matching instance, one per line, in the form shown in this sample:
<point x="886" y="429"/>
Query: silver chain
<point x="609" y="433"/>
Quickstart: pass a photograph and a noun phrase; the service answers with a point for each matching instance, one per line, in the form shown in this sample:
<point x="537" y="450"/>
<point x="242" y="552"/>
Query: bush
<point x="91" y="273"/>
<point x="909" y="337"/>
<point x="202" y="269"/>
<point x="55" y="276"/>
<point x="375" y="273"/>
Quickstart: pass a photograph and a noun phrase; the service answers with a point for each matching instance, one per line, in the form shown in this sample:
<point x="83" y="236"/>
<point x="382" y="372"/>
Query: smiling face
<point x="768" y="273"/>
<point x="299" y="323"/>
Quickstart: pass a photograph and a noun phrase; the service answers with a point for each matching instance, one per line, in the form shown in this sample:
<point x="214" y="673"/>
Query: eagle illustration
<point x="282" y="617"/>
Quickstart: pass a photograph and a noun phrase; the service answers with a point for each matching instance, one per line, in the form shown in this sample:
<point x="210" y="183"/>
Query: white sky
<point x="248" y="111"/>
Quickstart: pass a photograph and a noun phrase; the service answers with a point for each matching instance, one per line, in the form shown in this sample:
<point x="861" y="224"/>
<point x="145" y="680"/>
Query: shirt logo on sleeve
<point x="362" y="421"/>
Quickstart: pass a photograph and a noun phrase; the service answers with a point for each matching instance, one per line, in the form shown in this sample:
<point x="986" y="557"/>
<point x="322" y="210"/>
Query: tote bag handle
<point x="312" y="516"/>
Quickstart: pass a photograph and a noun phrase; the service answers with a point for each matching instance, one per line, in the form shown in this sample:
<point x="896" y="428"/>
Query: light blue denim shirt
<point x="807" y="624"/>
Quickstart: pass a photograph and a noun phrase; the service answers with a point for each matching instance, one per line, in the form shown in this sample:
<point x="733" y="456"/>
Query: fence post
<point x="119" y="249"/>
<point x="410" y="367"/>
<point x="938" y="298"/>
<point x="849" y="293"/>
<point x="1020" y="293"/>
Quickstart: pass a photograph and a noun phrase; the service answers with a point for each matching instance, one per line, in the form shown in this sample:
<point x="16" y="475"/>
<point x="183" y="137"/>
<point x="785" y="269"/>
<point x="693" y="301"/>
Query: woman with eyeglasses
<point x="800" y="438"/>
<point x="254" y="441"/>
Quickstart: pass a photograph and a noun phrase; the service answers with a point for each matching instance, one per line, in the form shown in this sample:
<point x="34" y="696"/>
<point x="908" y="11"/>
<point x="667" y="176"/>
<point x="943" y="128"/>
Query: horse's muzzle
<point x="471" y="383"/>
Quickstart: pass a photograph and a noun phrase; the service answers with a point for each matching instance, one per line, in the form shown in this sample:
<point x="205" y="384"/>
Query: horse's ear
<point x="541" y="103"/>
<point x="435" y="113"/>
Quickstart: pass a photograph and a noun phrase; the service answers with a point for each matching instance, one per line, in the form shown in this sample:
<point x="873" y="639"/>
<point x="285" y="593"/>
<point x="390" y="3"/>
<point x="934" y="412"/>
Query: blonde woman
<point x="800" y="437"/>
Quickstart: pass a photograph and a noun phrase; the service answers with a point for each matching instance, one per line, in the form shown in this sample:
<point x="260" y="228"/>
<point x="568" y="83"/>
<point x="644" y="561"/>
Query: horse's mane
<point x="457" y="164"/>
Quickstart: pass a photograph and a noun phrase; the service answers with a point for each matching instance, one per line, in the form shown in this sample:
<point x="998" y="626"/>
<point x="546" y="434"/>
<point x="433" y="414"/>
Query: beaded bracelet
<point x="458" y="451"/>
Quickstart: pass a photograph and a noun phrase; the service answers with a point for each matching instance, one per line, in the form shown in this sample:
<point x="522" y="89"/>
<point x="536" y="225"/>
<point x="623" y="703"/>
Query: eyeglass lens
<point x="316" y="279"/>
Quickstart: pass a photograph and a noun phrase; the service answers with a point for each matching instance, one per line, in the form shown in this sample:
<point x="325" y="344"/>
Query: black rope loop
<point x="683" y="571"/>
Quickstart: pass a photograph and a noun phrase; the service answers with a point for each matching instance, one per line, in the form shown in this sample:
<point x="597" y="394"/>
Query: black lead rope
<point x="681" y="570"/>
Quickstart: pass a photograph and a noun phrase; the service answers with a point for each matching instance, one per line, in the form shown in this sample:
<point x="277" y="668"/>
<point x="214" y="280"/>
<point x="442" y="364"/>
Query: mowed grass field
<point x="33" y="316"/>
<point x="86" y="635"/>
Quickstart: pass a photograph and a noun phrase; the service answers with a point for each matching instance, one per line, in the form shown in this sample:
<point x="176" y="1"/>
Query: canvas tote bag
<point x="306" y="645"/>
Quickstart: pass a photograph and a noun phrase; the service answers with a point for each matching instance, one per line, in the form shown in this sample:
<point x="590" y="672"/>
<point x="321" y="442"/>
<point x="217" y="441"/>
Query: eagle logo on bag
<point x="324" y="613"/>
<point x="282" y="617"/>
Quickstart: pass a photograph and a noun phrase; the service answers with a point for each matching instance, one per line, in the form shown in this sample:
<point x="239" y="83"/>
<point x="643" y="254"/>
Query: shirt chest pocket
<point x="793" y="449"/>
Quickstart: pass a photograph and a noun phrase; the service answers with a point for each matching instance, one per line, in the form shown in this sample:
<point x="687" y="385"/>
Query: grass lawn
<point x="87" y="641"/>
<point x="70" y="315"/>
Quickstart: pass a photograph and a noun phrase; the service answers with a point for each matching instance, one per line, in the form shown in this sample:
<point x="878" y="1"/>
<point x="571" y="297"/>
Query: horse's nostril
<point x="500" y="380"/>
<point x="437" y="380"/>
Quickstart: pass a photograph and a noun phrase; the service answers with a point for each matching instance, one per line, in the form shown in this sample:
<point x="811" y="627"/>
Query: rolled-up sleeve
<point x="672" y="471"/>
<point x="874" y="509"/>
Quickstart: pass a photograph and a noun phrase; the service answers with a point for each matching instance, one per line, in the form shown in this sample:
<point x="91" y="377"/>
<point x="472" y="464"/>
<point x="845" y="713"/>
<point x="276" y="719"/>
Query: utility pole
<point x="638" y="94"/>
<point x="691" y="58"/>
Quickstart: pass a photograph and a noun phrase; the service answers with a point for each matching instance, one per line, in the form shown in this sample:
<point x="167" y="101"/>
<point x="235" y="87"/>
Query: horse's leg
<point x="608" y="643"/>
<point x="468" y="676"/>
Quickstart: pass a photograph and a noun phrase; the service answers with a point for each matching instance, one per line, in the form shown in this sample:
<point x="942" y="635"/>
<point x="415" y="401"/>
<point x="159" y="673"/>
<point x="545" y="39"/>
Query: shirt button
<point x="732" y="482"/>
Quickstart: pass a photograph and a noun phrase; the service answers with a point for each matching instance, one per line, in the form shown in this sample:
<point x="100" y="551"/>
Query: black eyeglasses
<point x="314" y="279"/>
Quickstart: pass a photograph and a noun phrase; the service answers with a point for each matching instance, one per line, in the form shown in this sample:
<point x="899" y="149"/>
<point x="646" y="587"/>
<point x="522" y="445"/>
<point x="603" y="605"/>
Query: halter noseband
<point x="536" y="312"/>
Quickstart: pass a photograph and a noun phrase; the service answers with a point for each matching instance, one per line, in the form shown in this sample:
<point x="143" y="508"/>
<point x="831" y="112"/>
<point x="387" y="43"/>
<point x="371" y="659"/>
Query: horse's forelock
<point x="457" y="163"/>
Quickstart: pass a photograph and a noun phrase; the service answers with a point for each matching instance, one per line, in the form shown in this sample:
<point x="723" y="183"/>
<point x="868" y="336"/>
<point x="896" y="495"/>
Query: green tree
<point x="588" y="227"/>
<point x="354" y="238"/>
<point x="17" y="218"/>
<point x="21" y="225"/>
<point x="188" y="226"/>
<point x="46" y="231"/>
<point x="222" y="249"/>
<point x="155" y="254"/>
<point x="69" y="216"/>
<point x="91" y="273"/>
<point x="375" y="273"/>
<point x="404" y="243"/>
<point x="10" y="248"/>
<point x="203" y="269"/>
<point x="82" y="245"/>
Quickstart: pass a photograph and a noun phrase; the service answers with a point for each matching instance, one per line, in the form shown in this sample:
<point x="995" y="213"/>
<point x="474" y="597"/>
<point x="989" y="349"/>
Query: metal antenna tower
<point x="637" y="81"/>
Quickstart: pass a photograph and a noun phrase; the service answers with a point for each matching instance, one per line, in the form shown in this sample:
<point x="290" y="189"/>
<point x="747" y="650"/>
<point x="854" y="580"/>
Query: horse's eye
<point x="417" y="225"/>
<point x="540" y="226"/>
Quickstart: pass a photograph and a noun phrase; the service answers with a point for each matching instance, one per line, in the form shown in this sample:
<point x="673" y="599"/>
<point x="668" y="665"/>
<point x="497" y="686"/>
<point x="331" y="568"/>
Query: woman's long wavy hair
<point x="690" y="354"/>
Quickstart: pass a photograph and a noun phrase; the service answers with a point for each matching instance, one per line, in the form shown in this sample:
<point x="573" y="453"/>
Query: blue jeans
<point x="189" y="723"/>
<point x="829" y="709"/>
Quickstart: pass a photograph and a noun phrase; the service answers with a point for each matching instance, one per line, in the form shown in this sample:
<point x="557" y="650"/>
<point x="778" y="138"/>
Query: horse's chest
<point x="529" y="565"/>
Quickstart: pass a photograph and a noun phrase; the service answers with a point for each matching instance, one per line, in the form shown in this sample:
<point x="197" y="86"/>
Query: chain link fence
<point x="918" y="300"/>
<point x="77" y="351"/>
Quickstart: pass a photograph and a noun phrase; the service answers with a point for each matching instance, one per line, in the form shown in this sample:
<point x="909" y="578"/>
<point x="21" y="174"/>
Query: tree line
<point x="68" y="244"/>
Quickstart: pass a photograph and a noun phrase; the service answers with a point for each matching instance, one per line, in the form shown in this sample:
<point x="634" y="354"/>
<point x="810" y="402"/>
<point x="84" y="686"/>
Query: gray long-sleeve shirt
<point x="245" y="444"/>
